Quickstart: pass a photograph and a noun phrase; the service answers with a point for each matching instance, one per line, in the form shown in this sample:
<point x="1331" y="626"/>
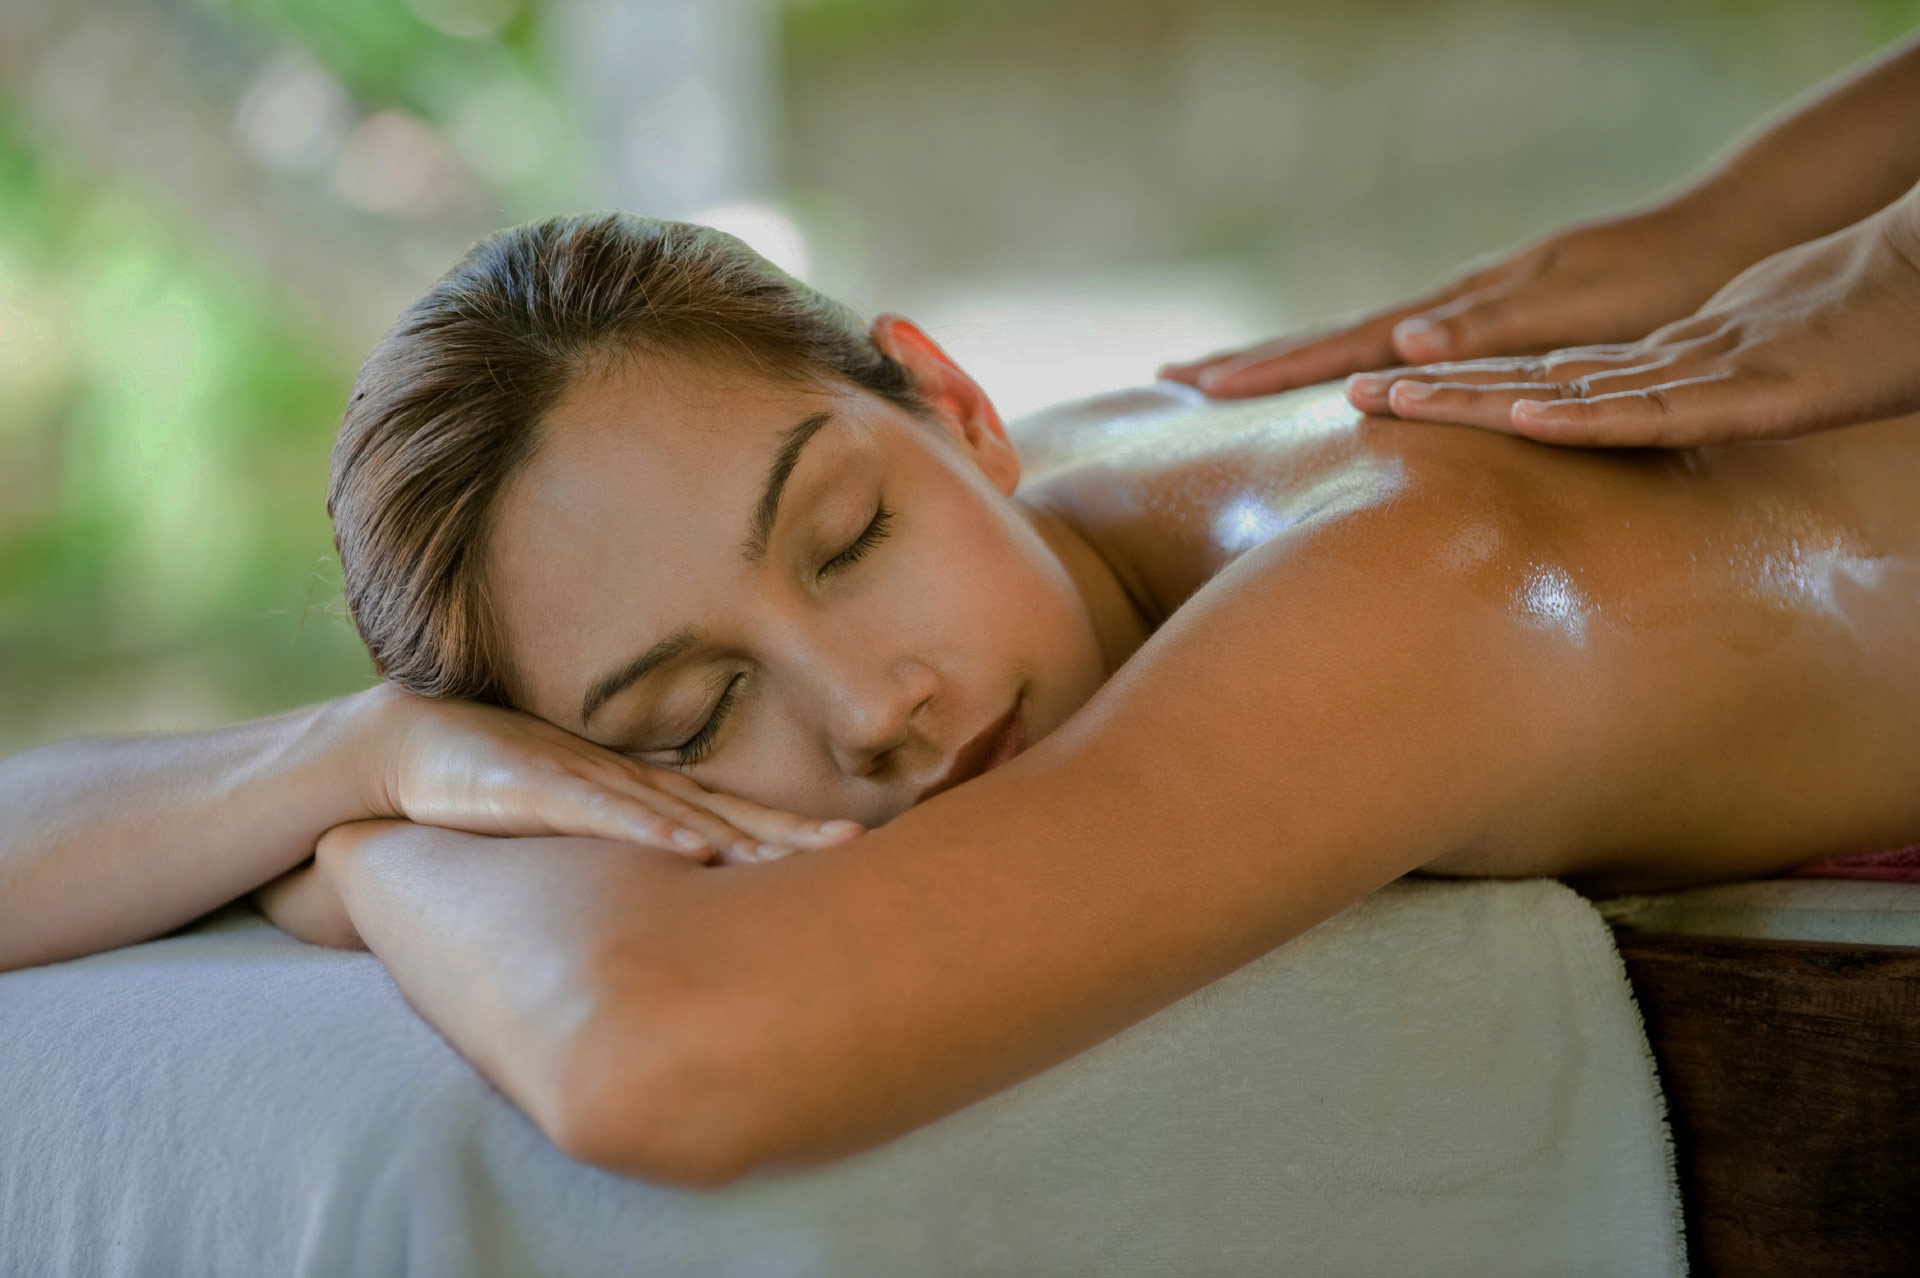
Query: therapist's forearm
<point x="1838" y="154"/>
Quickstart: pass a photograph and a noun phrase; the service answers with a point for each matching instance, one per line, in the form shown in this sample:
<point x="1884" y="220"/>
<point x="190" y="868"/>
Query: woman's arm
<point x="1306" y="729"/>
<point x="107" y="842"/>
<point x="111" y="841"/>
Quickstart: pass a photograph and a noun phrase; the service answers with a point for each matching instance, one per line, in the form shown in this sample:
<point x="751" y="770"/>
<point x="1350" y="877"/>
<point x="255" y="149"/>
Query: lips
<point x="992" y="746"/>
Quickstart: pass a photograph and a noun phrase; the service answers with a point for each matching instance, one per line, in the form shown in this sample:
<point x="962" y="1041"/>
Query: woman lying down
<point x="672" y="569"/>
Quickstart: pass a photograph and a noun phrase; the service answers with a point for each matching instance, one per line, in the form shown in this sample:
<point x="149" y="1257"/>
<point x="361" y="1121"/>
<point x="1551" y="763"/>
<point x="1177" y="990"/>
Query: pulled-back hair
<point x="449" y="405"/>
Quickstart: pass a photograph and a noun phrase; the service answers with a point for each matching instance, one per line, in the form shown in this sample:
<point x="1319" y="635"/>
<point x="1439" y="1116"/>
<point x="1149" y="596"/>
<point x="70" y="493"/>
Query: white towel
<point x="1448" y="1078"/>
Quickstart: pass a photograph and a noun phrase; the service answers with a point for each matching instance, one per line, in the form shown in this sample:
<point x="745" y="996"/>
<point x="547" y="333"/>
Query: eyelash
<point x="871" y="536"/>
<point x="700" y="744"/>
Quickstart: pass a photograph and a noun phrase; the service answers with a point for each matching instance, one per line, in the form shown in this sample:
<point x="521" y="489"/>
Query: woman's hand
<point x="304" y="903"/>
<point x="1608" y="281"/>
<point x="1824" y="334"/>
<point x="491" y="771"/>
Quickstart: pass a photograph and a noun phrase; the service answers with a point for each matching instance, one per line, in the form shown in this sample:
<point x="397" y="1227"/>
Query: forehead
<point x="667" y="428"/>
<point x="631" y="512"/>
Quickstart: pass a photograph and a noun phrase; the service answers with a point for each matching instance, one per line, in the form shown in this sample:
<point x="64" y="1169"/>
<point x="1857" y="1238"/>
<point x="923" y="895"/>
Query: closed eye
<point x="700" y="744"/>
<point x="872" y="535"/>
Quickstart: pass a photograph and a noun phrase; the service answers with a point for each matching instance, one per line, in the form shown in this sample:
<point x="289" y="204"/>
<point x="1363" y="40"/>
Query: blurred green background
<point x="209" y="209"/>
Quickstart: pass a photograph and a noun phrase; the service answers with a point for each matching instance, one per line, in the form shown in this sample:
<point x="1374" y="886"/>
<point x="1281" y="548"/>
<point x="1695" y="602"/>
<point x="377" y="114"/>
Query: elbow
<point x="648" y="1089"/>
<point x="659" y="1146"/>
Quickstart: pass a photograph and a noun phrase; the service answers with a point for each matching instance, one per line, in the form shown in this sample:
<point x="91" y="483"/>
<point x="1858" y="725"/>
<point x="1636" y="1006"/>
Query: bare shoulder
<point x="1715" y="653"/>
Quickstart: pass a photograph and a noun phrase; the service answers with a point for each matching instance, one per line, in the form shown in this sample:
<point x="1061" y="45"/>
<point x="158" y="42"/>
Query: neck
<point x="1119" y="622"/>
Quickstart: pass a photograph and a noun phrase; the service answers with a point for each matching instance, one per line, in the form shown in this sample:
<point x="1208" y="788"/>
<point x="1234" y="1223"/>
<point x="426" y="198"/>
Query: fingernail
<point x="840" y="829"/>
<point x="692" y="842"/>
<point x="1418" y="333"/>
<point x="1367" y="384"/>
<point x="1411" y="391"/>
<point x="1527" y="408"/>
<point x="772" y="851"/>
<point x="1210" y="379"/>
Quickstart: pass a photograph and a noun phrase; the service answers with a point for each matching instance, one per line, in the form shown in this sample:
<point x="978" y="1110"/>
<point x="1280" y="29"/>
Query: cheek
<point x="987" y="582"/>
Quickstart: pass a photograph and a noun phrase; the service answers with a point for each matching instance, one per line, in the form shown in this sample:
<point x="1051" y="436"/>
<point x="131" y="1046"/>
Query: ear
<point x="957" y="401"/>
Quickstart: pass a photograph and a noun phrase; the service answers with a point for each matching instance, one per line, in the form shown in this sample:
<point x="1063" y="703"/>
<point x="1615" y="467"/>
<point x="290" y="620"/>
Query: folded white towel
<point x="1446" y="1079"/>
<point x="1836" y="911"/>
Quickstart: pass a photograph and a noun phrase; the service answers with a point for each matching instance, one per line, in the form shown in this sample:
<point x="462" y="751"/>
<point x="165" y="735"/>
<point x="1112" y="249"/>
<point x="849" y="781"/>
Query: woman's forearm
<point x="111" y="841"/>
<point x="497" y="941"/>
<point x="672" y="1021"/>
<point x="1838" y="154"/>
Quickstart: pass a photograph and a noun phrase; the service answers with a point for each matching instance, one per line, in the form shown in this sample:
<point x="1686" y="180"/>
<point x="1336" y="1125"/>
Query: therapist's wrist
<point x="1900" y="234"/>
<point x="1732" y="217"/>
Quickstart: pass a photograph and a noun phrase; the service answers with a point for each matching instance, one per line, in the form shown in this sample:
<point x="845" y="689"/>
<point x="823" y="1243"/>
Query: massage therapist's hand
<point x="1607" y="281"/>
<point x="492" y="771"/>
<point x="1821" y="335"/>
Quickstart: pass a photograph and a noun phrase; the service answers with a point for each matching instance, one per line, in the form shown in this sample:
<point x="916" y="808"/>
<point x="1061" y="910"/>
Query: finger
<point x="1305" y="361"/>
<point x="773" y="825"/>
<point x="1489" y="404"/>
<point x="1190" y="371"/>
<point x="1716" y="408"/>
<point x="1550" y="366"/>
<point x="1485" y="322"/>
<point x="1375" y="392"/>
<point x="671" y="794"/>
<point x="1511" y="316"/>
<point x="585" y="808"/>
<point x="1309" y="358"/>
<point x="1369" y="392"/>
<point x="756" y="820"/>
<point x="719" y="834"/>
<point x="756" y="854"/>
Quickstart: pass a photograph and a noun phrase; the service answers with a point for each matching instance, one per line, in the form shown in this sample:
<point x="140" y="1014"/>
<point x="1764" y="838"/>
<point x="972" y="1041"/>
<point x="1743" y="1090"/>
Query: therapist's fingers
<point x="1289" y="362"/>
<point x="1460" y="322"/>
<point x="1672" y="403"/>
<point x="1511" y="316"/>
<point x="1490" y="404"/>
<point x="1370" y="392"/>
<point x="1710" y="409"/>
<point x="1190" y="371"/>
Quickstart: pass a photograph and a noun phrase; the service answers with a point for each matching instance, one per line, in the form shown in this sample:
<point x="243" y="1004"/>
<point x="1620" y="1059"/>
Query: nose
<point x="874" y="711"/>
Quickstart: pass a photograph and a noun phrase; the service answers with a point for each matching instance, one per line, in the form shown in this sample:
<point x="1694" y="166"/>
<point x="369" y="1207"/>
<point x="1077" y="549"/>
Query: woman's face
<point x="808" y="597"/>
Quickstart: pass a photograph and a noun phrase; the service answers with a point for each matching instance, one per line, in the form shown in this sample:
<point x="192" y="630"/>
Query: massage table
<point x="1784" y="1015"/>
<point x="1446" y="1079"/>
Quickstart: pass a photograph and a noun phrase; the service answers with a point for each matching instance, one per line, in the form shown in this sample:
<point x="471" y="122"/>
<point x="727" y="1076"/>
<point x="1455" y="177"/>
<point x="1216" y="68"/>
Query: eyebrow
<point x="754" y="546"/>
<point x="609" y="686"/>
<point x="792" y="440"/>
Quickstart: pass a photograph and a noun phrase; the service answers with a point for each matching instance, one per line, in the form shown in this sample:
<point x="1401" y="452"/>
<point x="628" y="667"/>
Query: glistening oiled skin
<point x="1747" y="616"/>
<point x="1377" y="648"/>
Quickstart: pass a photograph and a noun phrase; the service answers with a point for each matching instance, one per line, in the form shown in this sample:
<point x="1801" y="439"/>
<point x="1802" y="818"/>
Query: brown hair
<point x="449" y="405"/>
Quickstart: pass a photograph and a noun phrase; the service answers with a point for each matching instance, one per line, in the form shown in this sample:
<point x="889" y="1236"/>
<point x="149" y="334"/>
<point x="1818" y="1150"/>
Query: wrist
<point x="362" y="734"/>
<point x="1900" y="234"/>
<point x="1903" y="216"/>
<point x="1727" y="216"/>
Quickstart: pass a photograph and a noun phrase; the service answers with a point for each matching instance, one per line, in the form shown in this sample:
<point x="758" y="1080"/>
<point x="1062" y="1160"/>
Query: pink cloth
<point x="1900" y="865"/>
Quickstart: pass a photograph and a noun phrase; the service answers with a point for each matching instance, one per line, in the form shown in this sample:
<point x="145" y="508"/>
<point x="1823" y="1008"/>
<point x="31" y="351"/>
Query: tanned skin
<point x="1348" y="649"/>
